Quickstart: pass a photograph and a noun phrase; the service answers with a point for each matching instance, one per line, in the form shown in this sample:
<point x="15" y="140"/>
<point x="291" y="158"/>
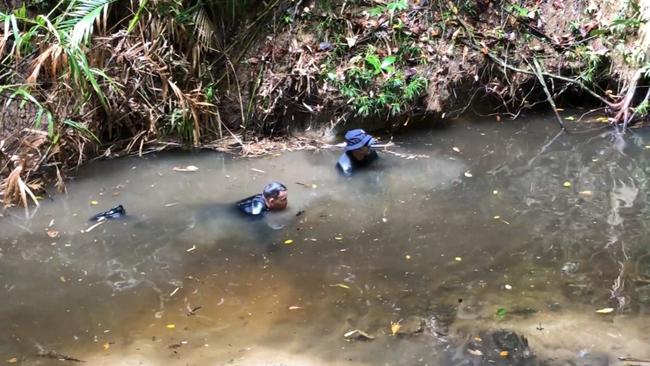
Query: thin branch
<point x="538" y="73"/>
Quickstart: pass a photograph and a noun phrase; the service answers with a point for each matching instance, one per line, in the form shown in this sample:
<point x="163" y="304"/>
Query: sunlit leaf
<point x="395" y="327"/>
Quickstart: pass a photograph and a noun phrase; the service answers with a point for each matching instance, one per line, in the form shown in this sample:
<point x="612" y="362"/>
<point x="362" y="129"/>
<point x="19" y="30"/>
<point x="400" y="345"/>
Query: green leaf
<point x="521" y="11"/>
<point x="501" y="313"/>
<point x="136" y="18"/>
<point x="397" y="5"/>
<point x="81" y="128"/>
<point x="373" y="60"/>
<point x="376" y="11"/>
<point x="387" y="62"/>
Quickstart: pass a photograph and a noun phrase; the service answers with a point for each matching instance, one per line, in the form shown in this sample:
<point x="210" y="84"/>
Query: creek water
<point x="491" y="227"/>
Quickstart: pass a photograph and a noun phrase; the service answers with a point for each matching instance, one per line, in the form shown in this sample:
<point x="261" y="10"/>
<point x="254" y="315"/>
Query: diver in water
<point x="273" y="198"/>
<point x="358" y="152"/>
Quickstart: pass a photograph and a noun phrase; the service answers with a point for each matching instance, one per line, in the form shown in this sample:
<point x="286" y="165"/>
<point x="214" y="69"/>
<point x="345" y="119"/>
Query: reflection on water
<point x="498" y="216"/>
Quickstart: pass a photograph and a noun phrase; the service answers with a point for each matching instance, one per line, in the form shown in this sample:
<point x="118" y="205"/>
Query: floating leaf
<point x="341" y="285"/>
<point x="567" y="184"/>
<point x="288" y="241"/>
<point x="570" y="118"/>
<point x="395" y="327"/>
<point x="586" y="193"/>
<point x="504" y="354"/>
<point x="12" y="360"/>
<point x="501" y="313"/>
<point x="338" y="238"/>
<point x="468" y="174"/>
<point x="605" y="310"/>
<point x="171" y="326"/>
<point x="52" y="233"/>
<point x="94" y="203"/>
<point x="294" y="307"/>
<point x="106" y="346"/>
<point x="508" y="287"/>
<point x="455" y="149"/>
<point x="62" y="279"/>
<point x="474" y="352"/>
<point x="495" y="192"/>
<point x="458" y="259"/>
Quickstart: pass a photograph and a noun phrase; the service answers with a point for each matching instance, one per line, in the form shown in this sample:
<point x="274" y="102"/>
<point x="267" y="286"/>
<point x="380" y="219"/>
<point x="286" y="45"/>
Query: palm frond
<point x="79" y="20"/>
<point x="204" y="28"/>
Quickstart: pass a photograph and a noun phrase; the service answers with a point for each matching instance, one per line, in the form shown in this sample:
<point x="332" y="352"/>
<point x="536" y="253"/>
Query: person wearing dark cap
<point x="273" y="198"/>
<point x="358" y="152"/>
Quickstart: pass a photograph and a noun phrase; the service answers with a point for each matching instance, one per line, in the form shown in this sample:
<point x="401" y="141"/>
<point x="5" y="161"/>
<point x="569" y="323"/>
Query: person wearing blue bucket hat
<point x="358" y="152"/>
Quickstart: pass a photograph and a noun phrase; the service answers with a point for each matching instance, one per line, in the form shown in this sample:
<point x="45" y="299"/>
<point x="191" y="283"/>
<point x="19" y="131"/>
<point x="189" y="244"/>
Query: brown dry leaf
<point x="53" y="233"/>
<point x="12" y="360"/>
<point x="504" y="354"/>
<point x="106" y="346"/>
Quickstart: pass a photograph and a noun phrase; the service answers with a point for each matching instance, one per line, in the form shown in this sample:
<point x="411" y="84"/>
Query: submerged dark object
<point x="114" y="213"/>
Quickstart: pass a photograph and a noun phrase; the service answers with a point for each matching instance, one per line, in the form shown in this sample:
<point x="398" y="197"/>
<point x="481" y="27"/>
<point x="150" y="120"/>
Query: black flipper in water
<point x="114" y="213"/>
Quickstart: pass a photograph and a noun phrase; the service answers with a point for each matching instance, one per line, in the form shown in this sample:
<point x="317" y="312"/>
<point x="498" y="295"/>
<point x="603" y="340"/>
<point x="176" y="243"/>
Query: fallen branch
<point x="633" y="359"/>
<point x="57" y="356"/>
<point x="538" y="73"/>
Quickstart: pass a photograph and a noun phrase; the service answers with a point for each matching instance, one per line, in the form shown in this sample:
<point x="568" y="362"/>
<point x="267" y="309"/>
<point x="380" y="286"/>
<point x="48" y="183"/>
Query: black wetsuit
<point x="253" y="206"/>
<point x="347" y="164"/>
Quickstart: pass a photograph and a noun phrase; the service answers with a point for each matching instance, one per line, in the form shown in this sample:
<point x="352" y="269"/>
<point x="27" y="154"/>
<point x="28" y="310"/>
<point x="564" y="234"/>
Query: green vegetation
<point x="373" y="85"/>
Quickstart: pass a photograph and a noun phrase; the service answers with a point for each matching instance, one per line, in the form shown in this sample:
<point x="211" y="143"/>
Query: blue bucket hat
<point x="356" y="139"/>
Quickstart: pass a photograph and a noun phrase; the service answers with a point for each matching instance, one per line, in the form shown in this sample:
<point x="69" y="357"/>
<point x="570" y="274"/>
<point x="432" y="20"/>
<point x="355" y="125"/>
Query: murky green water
<point x="497" y="216"/>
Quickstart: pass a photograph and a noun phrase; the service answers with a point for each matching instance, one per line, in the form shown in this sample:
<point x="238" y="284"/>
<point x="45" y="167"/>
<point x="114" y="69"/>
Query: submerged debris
<point x="358" y="335"/>
<point x="57" y="356"/>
